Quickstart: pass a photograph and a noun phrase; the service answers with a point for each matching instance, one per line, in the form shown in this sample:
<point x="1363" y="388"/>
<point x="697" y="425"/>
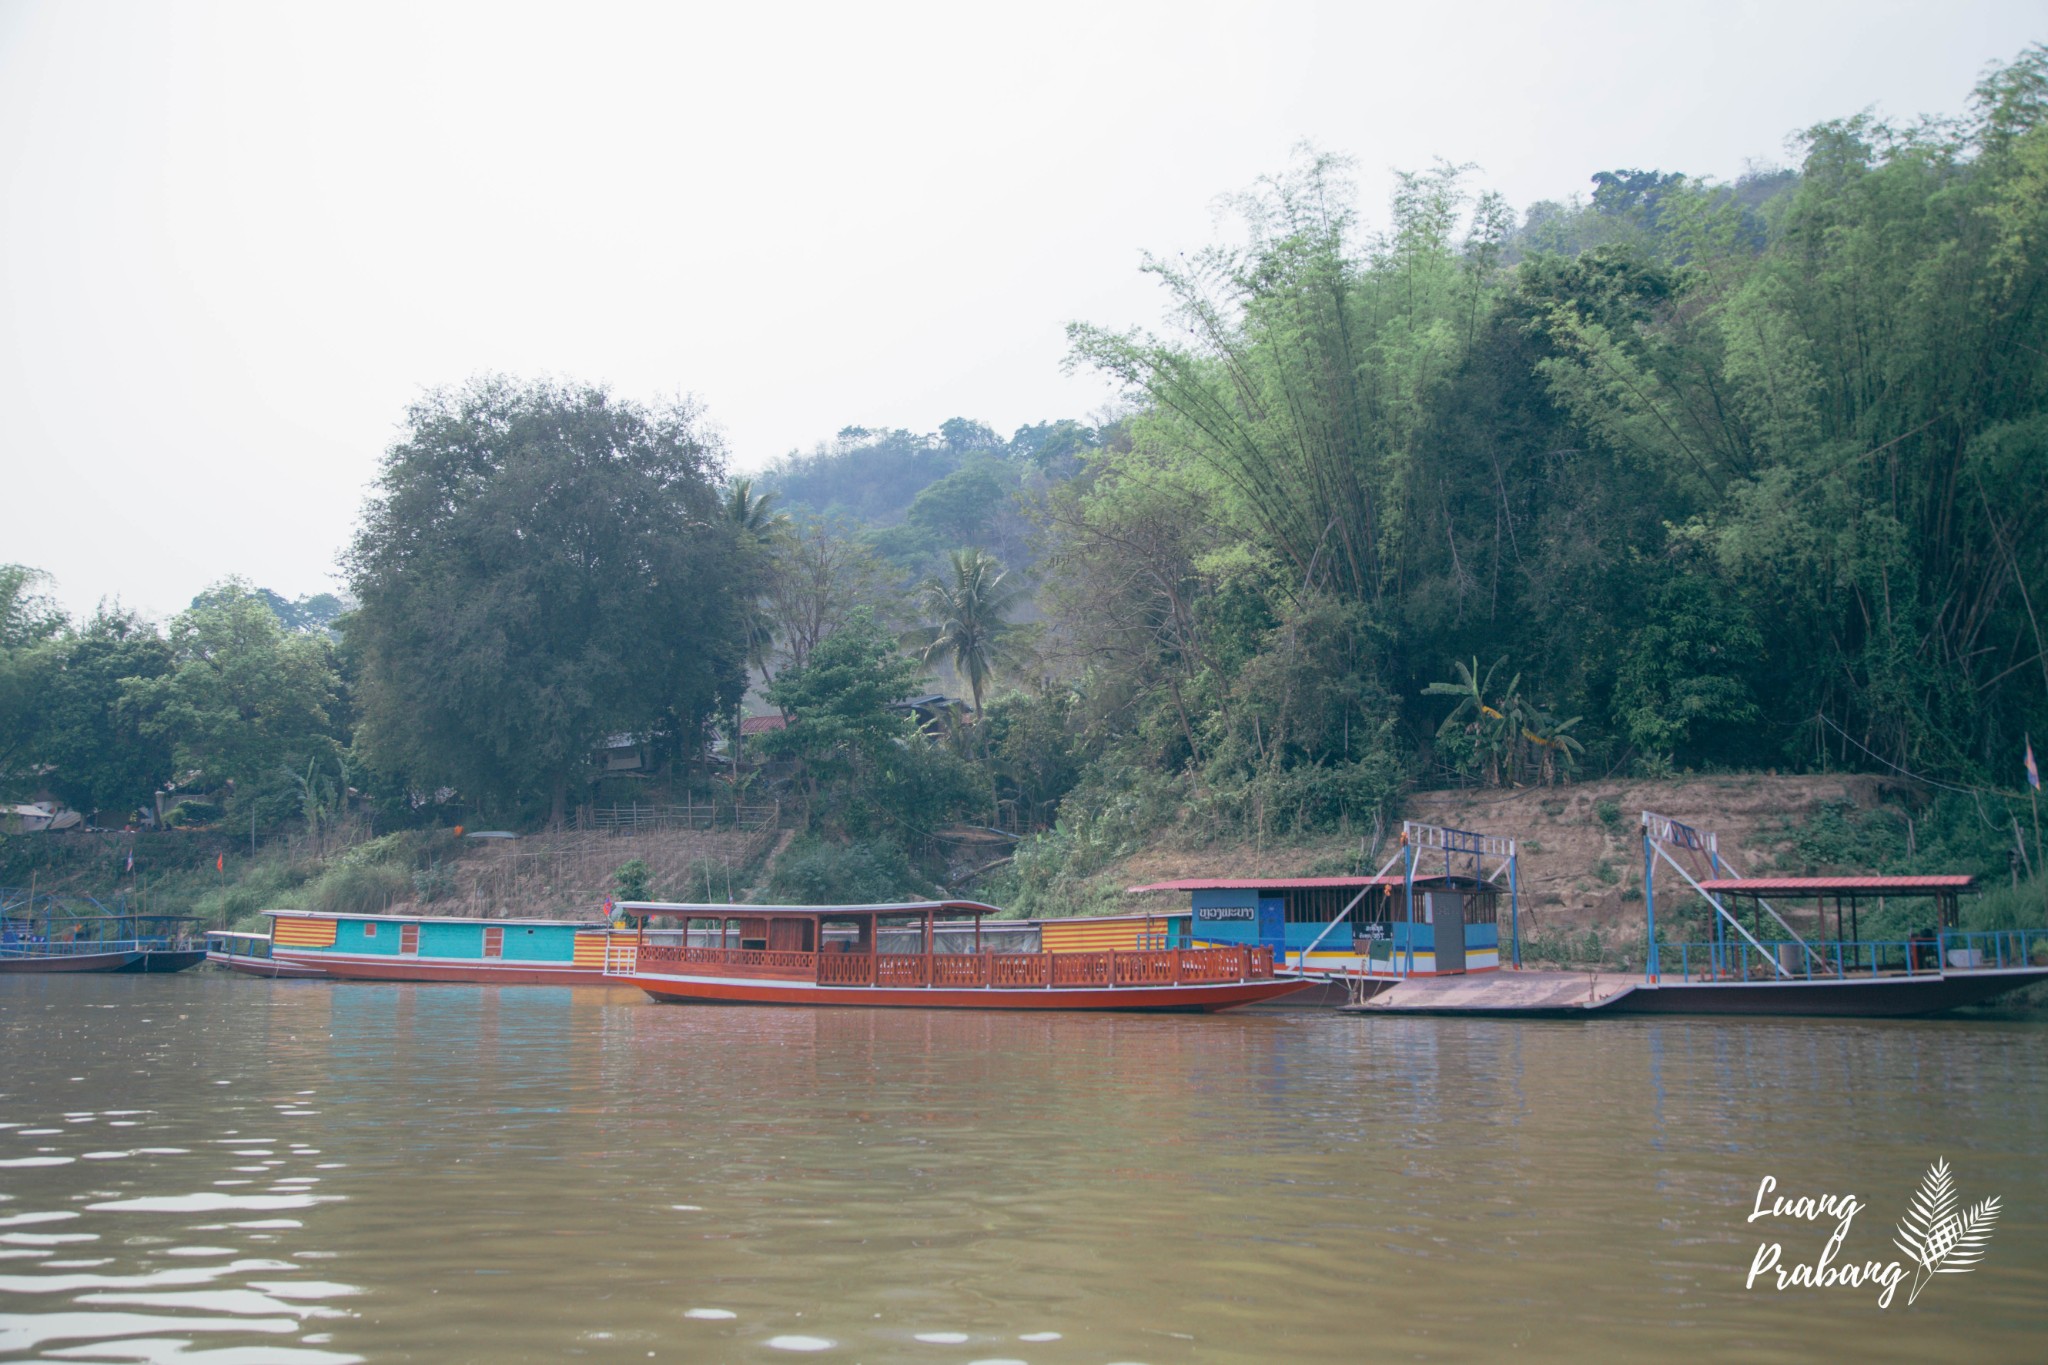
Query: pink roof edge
<point x="1951" y="881"/>
<point x="1259" y="883"/>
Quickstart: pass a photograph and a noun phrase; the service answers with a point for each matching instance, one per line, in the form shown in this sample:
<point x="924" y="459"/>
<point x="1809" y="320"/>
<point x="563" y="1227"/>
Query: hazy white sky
<point x="236" y="240"/>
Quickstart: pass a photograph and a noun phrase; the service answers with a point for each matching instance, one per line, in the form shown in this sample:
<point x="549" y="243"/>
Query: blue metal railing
<point x="1952" y="950"/>
<point x="83" y="947"/>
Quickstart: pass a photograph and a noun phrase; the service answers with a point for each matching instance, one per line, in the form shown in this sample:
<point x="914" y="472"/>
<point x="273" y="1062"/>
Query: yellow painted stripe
<point x="1091" y="938"/>
<point x="302" y="933"/>
<point x="590" y="950"/>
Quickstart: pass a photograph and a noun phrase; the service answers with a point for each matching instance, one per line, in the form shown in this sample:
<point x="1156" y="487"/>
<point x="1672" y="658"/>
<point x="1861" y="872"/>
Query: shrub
<point x="188" y="813"/>
<point x="350" y="887"/>
<point x="632" y="882"/>
<point x="432" y="882"/>
<point x="816" y="871"/>
<point x="1610" y="815"/>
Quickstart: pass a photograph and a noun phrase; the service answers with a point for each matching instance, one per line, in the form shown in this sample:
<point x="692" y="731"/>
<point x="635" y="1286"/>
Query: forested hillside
<point x="1679" y="475"/>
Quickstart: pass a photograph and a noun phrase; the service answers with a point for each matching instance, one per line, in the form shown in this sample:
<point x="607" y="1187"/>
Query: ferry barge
<point x="832" y="955"/>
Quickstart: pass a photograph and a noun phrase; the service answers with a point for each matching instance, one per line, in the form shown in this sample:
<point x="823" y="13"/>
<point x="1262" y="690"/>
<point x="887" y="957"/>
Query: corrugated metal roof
<point x="1838" y="886"/>
<point x="717" y="909"/>
<point x="1261" y="883"/>
<point x="761" y="725"/>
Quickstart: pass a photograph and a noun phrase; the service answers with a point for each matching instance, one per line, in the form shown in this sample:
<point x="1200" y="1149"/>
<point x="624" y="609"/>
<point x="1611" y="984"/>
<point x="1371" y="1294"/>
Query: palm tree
<point x="1495" y="729"/>
<point x="750" y="512"/>
<point x="965" y="619"/>
<point x="1558" y="749"/>
<point x="751" y="516"/>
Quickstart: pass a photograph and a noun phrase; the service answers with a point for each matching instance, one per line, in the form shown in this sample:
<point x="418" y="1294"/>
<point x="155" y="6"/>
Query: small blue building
<point x="1444" y="924"/>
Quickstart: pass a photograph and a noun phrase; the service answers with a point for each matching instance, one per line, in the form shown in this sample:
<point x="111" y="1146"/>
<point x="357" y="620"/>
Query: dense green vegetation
<point x="1683" y="475"/>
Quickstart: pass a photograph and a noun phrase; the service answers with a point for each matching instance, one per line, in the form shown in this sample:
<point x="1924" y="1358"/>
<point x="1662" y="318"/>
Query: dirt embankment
<point x="1579" y="847"/>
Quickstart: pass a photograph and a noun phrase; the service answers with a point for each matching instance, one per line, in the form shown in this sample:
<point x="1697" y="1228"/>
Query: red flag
<point x="220" y="862"/>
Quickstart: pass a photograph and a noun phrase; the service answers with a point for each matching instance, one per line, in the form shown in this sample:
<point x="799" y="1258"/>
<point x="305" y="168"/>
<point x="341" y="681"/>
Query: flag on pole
<point x="131" y="860"/>
<point x="220" y="862"/>
<point x="2033" y="772"/>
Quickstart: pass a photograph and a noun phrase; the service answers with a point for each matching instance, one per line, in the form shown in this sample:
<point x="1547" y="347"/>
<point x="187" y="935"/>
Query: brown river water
<point x="202" y="1168"/>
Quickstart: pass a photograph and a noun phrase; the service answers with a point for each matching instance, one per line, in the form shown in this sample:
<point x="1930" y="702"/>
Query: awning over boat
<point x="720" y="910"/>
<point x="1943" y="885"/>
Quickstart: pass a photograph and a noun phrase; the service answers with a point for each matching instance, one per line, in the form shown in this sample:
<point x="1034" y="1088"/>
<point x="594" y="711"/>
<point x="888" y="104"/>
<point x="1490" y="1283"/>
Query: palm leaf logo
<point x="1940" y="1240"/>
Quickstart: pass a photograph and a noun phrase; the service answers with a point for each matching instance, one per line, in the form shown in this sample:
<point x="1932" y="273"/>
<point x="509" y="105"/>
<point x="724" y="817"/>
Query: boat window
<point x="755" y="943"/>
<point x="369" y="931"/>
<point x="1317" y="904"/>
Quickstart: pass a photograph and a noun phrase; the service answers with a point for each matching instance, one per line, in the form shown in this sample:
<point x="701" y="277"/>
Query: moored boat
<point x="53" y="941"/>
<point x="831" y="955"/>
<point x="250" y="955"/>
<point x="519" y="952"/>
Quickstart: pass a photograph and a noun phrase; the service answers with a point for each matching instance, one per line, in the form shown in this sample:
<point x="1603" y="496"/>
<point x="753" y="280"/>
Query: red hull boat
<point x="828" y="955"/>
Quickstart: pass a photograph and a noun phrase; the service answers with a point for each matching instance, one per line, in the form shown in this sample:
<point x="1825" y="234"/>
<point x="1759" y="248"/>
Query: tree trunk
<point x="560" y="807"/>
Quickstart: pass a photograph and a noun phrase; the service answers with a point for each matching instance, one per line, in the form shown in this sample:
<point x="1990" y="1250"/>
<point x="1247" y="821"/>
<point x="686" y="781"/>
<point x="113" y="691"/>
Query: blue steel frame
<point x="1683" y="836"/>
<point x="1459" y="841"/>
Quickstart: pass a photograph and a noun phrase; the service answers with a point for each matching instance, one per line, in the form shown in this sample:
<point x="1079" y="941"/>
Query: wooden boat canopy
<point x="914" y="909"/>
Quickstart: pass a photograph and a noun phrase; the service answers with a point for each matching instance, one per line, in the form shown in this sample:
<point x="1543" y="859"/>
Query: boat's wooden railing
<point x="846" y="969"/>
<point x="773" y="962"/>
<point x="959" y="971"/>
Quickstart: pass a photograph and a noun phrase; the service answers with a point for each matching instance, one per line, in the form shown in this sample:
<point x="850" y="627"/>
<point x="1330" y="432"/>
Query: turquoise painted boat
<point x="521" y="952"/>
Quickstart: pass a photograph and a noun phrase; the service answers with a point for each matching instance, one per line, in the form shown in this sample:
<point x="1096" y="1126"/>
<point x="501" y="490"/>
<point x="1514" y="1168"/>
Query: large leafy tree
<point x="542" y="565"/>
<point x="243" y="704"/>
<point x="104" y="752"/>
<point x="29" y="619"/>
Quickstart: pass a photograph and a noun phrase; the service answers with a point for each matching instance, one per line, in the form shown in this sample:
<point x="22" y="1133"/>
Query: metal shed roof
<point x="1839" y="886"/>
<point x="1261" y="883"/>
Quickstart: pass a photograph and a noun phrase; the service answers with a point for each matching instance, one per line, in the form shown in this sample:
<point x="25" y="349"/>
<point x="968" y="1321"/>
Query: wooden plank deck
<point x="1503" y="992"/>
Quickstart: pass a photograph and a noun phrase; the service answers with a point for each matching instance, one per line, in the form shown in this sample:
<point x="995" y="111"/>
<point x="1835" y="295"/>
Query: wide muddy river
<point x="201" y="1168"/>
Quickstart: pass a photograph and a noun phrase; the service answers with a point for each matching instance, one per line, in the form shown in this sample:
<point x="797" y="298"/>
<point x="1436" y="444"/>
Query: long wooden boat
<point x="519" y="952"/>
<point x="95" y="957"/>
<point x="48" y="942"/>
<point x="250" y="955"/>
<point x="829" y="955"/>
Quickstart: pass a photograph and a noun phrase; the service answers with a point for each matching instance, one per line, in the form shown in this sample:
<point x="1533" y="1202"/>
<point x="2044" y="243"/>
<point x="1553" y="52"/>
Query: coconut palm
<point x="965" y="619"/>
<point x="750" y="512"/>
<point x="751" y="515"/>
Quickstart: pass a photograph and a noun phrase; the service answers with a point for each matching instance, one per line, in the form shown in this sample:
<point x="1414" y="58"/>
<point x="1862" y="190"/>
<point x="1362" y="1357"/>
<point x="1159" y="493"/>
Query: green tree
<point x="244" y="705"/>
<point x="28" y="614"/>
<point x="542" y="565"/>
<point x="843" y="724"/>
<point x="102" y="752"/>
<point x="29" y="619"/>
